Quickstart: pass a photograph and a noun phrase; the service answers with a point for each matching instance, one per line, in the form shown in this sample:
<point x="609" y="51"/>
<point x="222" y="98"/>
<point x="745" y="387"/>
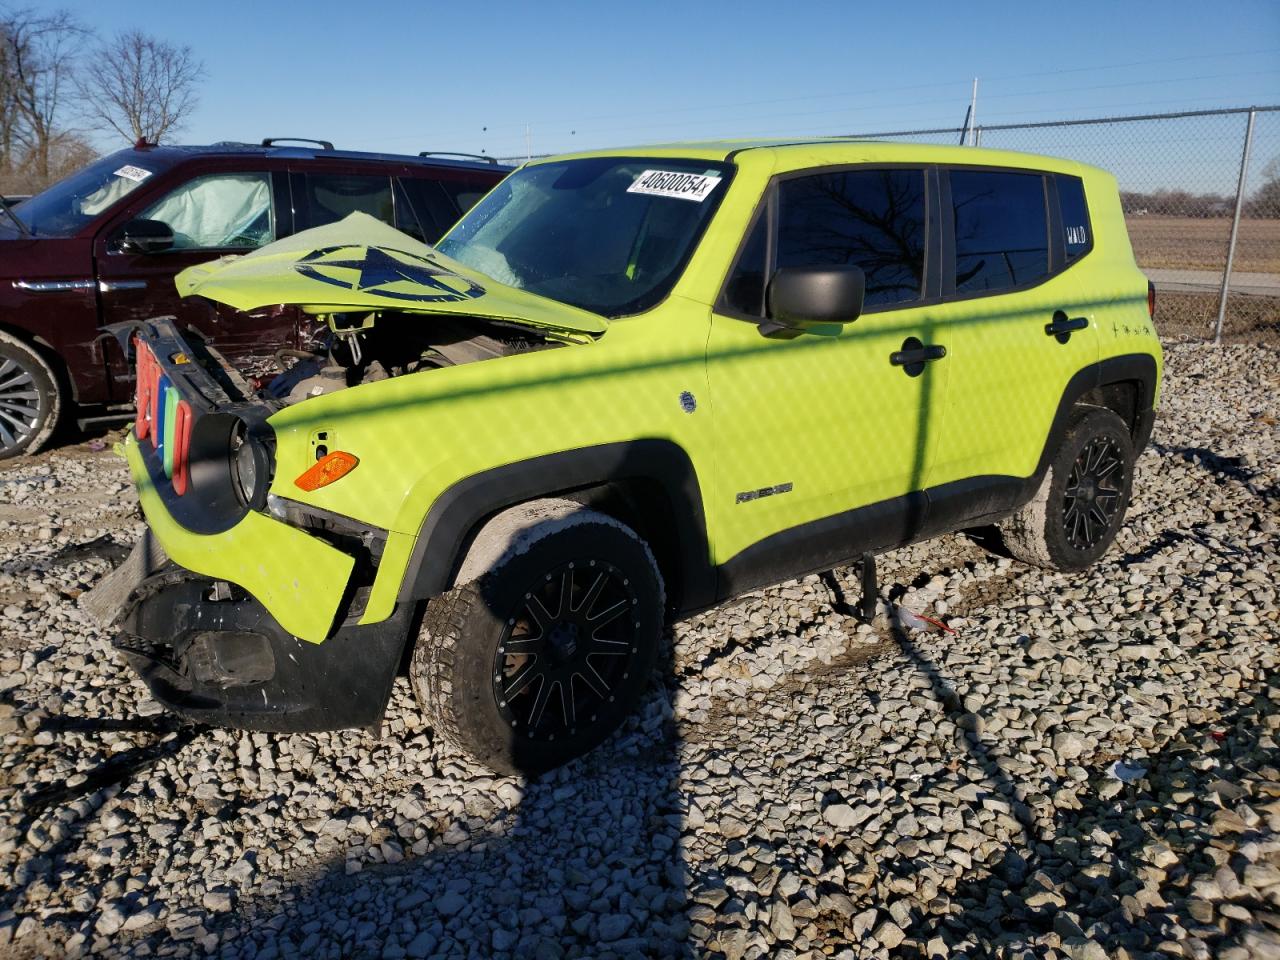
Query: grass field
<point x="1194" y="315"/>
<point x="1193" y="243"/>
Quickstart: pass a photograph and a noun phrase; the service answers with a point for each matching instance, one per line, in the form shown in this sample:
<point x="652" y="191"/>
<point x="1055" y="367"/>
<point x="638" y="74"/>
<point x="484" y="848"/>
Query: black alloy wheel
<point x="566" y="649"/>
<point x="1079" y="507"/>
<point x="1095" y="487"/>
<point x="547" y="652"/>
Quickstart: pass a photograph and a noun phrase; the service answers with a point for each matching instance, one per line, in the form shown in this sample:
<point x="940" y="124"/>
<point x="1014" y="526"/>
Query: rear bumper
<point x="229" y="662"/>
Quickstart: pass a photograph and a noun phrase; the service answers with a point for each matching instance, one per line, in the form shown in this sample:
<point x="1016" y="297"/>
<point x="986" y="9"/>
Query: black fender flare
<point x="1137" y="368"/>
<point x="458" y="512"/>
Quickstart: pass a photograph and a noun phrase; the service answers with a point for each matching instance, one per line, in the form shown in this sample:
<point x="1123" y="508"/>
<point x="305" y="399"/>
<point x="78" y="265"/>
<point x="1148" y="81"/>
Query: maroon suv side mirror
<point x="144" y="236"/>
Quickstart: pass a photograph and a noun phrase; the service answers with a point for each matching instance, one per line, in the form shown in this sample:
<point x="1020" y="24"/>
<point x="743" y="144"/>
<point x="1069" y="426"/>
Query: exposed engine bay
<point x="357" y="348"/>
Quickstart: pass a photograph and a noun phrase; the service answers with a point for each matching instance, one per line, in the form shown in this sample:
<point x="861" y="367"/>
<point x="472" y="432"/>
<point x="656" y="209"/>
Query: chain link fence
<point x="1201" y="194"/>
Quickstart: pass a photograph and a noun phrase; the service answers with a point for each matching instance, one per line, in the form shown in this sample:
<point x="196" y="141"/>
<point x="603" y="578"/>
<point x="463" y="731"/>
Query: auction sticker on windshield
<point x="673" y="183"/>
<point x="130" y="172"/>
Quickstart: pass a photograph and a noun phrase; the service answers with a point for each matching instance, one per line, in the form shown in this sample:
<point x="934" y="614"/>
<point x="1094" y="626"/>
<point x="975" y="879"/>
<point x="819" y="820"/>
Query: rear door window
<point x="434" y="210"/>
<point x="465" y="193"/>
<point x="1001" y="230"/>
<point x="407" y="220"/>
<point x="329" y="197"/>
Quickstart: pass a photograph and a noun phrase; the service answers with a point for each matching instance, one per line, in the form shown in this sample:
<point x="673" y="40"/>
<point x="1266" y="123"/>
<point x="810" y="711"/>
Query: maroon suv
<point x="103" y="246"/>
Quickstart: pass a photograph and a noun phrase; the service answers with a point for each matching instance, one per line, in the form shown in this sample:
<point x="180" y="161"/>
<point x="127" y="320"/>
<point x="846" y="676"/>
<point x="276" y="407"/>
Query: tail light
<point x="1151" y="300"/>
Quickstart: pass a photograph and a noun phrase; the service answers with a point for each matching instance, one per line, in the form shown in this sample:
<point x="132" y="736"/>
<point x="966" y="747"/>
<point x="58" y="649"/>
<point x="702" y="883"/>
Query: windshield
<point x="606" y="234"/>
<point x="69" y="204"/>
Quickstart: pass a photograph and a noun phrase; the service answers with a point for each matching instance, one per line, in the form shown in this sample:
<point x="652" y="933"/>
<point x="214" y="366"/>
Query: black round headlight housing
<point x="230" y="463"/>
<point x="250" y="467"/>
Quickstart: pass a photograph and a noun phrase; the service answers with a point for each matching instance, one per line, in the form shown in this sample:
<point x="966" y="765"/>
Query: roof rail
<point x="455" y="153"/>
<point x="272" y="141"/>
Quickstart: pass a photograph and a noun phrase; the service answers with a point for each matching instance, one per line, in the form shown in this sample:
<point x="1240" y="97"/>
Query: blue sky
<point x="406" y="76"/>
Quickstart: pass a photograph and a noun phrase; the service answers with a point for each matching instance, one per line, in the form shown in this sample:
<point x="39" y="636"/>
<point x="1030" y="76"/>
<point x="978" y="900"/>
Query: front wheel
<point x="543" y="656"/>
<point x="1080" y="506"/>
<point x="30" y="398"/>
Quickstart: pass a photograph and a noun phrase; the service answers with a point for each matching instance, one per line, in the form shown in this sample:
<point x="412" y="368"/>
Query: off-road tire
<point x="23" y="371"/>
<point x="1038" y="533"/>
<point x="456" y="654"/>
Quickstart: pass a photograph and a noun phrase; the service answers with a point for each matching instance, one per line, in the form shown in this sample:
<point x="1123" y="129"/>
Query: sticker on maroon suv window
<point x="130" y="172"/>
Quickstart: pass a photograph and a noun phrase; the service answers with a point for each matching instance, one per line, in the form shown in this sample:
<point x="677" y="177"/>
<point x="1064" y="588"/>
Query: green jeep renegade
<point x="625" y="387"/>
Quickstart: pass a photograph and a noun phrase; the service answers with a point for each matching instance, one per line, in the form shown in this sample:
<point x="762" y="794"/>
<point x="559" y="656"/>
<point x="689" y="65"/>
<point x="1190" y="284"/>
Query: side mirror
<point x="802" y="297"/>
<point x="144" y="236"/>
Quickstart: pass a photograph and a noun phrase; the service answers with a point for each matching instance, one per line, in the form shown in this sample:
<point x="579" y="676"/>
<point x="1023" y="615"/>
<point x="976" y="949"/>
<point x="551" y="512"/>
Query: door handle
<point x="1062" y="326"/>
<point x="914" y="355"/>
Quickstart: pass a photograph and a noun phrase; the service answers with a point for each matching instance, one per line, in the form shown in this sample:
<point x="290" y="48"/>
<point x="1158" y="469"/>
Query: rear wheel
<point x="30" y="398"/>
<point x="543" y="656"/>
<point x="1080" y="505"/>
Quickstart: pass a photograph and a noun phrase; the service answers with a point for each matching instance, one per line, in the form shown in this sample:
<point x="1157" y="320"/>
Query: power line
<point x="723" y="122"/>
<point x="666" y="111"/>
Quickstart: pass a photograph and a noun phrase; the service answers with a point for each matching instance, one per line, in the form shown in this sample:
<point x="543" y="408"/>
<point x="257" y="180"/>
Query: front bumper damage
<point x="299" y="577"/>
<point x="209" y="651"/>
<point x="232" y="615"/>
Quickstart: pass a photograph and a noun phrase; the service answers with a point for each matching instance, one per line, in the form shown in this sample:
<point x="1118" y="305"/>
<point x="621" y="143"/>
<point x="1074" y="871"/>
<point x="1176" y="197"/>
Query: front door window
<point x="219" y="211"/>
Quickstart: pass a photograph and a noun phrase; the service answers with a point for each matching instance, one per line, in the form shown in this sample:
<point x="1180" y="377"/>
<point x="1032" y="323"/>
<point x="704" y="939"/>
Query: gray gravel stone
<point x="801" y="785"/>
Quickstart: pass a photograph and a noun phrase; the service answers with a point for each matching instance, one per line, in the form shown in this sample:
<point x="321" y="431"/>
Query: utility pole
<point x="973" y="115"/>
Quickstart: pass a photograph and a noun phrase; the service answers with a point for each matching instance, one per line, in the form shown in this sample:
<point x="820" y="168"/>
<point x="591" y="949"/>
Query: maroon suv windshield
<point x="68" y="205"/>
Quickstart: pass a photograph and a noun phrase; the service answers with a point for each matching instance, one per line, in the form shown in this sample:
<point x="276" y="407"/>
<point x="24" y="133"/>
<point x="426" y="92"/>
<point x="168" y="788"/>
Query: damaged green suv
<point x="624" y="388"/>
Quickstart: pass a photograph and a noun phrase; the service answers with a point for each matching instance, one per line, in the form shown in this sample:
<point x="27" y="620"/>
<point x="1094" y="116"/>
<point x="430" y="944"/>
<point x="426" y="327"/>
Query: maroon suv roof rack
<point x="322" y="144"/>
<point x="455" y="153"/>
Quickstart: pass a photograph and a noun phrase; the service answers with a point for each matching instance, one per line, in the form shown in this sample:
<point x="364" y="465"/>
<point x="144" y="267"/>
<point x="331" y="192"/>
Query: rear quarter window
<point x="1077" y="234"/>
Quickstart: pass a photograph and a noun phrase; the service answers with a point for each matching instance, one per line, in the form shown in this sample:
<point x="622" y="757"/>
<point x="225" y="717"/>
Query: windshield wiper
<point x="22" y="227"/>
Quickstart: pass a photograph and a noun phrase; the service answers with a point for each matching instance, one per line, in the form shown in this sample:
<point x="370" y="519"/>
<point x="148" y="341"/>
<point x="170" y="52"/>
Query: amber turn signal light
<point x="330" y="467"/>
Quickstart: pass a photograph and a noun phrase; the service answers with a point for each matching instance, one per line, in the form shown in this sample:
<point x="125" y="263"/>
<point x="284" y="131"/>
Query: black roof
<point x="176" y="153"/>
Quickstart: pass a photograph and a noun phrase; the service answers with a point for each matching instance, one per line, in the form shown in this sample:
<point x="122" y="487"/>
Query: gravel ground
<point x="798" y="785"/>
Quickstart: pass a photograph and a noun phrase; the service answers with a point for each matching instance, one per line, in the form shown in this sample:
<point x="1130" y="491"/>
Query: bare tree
<point x="140" y="87"/>
<point x="37" y="56"/>
<point x="1265" y="201"/>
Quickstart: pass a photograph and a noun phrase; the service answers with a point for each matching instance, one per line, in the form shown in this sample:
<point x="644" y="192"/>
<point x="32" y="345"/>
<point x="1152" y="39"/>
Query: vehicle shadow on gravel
<point x="583" y="861"/>
<point x="1095" y="875"/>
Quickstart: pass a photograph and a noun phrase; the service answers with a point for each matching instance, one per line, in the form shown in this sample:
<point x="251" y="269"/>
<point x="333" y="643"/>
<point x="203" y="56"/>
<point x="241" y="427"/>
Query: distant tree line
<point x="60" y="82"/>
<point x="1264" y="202"/>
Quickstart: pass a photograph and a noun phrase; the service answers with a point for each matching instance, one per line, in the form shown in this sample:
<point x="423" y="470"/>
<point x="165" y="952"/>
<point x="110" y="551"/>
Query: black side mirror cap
<point x="144" y="236"/>
<point x="802" y="297"/>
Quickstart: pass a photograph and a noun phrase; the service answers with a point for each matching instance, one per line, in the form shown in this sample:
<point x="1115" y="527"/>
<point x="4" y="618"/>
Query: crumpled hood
<point x="360" y="263"/>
